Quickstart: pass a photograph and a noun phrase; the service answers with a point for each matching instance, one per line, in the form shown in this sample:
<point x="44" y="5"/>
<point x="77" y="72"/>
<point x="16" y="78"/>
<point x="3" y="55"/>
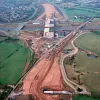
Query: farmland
<point x="86" y="68"/>
<point x="13" y="57"/>
<point x="96" y="19"/>
<point x="86" y="64"/>
<point x="90" y="67"/>
<point x="82" y="14"/>
<point x="84" y="98"/>
<point x="89" y="41"/>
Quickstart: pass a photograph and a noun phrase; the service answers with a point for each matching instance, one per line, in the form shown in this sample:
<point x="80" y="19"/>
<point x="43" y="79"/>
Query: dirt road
<point x="69" y="82"/>
<point x="45" y="74"/>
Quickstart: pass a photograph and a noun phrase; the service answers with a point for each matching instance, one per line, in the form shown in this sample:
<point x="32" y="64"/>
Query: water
<point x="91" y="56"/>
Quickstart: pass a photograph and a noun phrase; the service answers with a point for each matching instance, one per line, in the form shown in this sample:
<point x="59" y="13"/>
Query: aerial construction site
<point x="47" y="79"/>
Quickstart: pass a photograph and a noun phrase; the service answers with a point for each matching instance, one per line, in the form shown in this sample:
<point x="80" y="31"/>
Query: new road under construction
<point x="45" y="80"/>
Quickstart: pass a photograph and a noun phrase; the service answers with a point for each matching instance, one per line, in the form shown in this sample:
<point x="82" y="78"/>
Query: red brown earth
<point x="45" y="74"/>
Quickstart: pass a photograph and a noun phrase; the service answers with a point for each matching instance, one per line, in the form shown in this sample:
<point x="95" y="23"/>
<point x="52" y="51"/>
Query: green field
<point x="7" y="48"/>
<point x="86" y="64"/>
<point x="82" y="14"/>
<point x="67" y="47"/>
<point x="12" y="61"/>
<point x="2" y="39"/>
<point x="89" y="41"/>
<point x="91" y="68"/>
<point x="96" y="20"/>
<point x="83" y="98"/>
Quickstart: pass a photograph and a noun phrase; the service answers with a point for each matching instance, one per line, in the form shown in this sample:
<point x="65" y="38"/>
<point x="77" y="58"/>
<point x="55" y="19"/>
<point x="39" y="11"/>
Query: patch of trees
<point x="96" y="32"/>
<point x="6" y="91"/>
<point x="70" y="60"/>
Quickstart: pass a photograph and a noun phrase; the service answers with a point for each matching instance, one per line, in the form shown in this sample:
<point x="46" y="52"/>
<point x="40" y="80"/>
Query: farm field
<point x="7" y="48"/>
<point x="83" y="98"/>
<point x="91" y="9"/>
<point x="69" y="46"/>
<point x="90" y="67"/>
<point x="96" y="20"/>
<point x="82" y="14"/>
<point x="2" y="39"/>
<point x="12" y="61"/>
<point x="89" y="41"/>
<point x="86" y="64"/>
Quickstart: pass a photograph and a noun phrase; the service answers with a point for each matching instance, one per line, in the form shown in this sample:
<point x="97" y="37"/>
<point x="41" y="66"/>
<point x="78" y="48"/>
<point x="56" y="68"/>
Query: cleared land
<point x="12" y="61"/>
<point x="49" y="12"/>
<point x="90" y="41"/>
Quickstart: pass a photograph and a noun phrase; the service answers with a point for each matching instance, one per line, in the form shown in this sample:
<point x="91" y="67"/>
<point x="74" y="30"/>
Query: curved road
<point x="67" y="81"/>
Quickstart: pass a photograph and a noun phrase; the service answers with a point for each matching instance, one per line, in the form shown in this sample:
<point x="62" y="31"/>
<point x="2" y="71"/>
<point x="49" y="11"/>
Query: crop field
<point x="81" y="13"/>
<point x="12" y="61"/>
<point x="91" y="69"/>
<point x="89" y="41"/>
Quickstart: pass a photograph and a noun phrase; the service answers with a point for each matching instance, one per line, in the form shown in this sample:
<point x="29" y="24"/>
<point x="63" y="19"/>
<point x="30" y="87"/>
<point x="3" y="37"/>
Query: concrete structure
<point x="59" y="0"/>
<point x="57" y="92"/>
<point x="49" y="29"/>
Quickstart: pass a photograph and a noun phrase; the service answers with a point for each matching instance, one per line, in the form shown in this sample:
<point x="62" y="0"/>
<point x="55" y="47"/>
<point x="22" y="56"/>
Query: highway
<point x="47" y="73"/>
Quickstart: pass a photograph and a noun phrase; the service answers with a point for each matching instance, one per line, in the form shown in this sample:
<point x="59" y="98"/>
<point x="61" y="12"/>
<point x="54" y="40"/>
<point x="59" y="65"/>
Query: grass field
<point x="91" y="9"/>
<point x="96" y="20"/>
<point x="7" y="48"/>
<point x="91" y="68"/>
<point x="84" y="13"/>
<point x="90" y="41"/>
<point x="84" y="98"/>
<point x="12" y="61"/>
<point x="69" y="46"/>
<point x="2" y="38"/>
<point x="84" y="63"/>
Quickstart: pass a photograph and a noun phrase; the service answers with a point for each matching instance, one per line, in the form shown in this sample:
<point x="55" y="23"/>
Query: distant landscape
<point x="17" y="11"/>
<point x="50" y="45"/>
